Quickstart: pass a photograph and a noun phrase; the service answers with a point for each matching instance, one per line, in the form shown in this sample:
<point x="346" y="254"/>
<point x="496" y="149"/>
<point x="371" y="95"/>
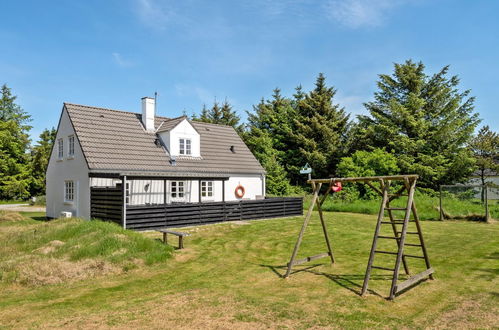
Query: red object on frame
<point x="336" y="186"/>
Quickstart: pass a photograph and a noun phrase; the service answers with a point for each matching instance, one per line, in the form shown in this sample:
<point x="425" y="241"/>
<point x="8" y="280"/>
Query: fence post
<point x="441" y="210"/>
<point x="123" y="191"/>
<point x="486" y="203"/>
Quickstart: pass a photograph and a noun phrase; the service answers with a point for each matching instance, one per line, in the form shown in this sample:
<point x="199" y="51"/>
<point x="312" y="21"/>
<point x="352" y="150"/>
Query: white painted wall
<point x="148" y="110"/>
<point x="183" y="130"/>
<point x="155" y="192"/>
<point x="68" y="168"/>
<point x="253" y="186"/>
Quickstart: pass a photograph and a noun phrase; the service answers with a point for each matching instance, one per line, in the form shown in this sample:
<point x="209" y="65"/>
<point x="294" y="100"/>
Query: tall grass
<point x="73" y="248"/>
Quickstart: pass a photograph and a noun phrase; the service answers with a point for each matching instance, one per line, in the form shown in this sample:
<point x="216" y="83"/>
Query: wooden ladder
<point x="399" y="236"/>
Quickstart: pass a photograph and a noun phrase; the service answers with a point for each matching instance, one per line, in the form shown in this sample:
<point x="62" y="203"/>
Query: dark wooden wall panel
<point x="106" y="204"/>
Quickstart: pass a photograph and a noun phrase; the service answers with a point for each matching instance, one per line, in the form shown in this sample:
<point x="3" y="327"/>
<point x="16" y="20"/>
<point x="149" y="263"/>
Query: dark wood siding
<point x="106" y="204"/>
<point x="188" y="214"/>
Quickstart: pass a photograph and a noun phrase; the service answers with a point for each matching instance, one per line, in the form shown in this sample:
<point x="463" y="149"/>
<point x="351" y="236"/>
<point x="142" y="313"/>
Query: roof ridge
<point x="108" y="109"/>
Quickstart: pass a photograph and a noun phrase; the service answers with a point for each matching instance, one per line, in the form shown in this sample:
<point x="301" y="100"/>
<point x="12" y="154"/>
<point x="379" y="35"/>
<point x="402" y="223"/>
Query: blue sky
<point x="111" y="53"/>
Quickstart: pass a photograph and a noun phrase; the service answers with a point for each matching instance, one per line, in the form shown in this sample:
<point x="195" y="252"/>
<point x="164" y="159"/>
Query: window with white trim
<point x="177" y="189"/>
<point x="185" y="147"/>
<point x="60" y="148"/>
<point x="69" y="191"/>
<point x="206" y="188"/>
<point x="71" y="145"/>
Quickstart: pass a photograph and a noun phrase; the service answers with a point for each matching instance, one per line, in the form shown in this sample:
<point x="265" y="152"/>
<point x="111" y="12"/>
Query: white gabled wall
<point x="74" y="168"/>
<point x="183" y="130"/>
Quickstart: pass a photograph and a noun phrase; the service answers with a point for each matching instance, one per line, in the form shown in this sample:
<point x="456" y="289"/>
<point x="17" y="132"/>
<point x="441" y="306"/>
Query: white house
<point x="161" y="160"/>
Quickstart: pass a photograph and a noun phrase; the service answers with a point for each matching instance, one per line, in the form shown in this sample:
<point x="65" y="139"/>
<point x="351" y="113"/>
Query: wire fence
<point x="471" y="202"/>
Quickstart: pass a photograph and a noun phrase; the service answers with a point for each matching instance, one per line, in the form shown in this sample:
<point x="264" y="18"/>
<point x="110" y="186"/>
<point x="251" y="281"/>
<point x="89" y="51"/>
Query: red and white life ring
<point x="336" y="186"/>
<point x="239" y="192"/>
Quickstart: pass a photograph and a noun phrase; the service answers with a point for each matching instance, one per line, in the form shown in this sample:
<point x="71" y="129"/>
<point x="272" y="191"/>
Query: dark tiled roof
<point x="169" y="124"/>
<point x="116" y="141"/>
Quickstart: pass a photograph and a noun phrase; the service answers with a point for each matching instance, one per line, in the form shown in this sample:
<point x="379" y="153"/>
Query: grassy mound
<point x="10" y="216"/>
<point x="38" y="253"/>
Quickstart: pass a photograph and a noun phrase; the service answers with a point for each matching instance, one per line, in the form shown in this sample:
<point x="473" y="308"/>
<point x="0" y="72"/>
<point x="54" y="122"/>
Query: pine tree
<point x="14" y="144"/>
<point x="223" y="115"/>
<point x="260" y="143"/>
<point x="275" y="117"/>
<point x="424" y="121"/>
<point x="485" y="148"/>
<point x="319" y="129"/>
<point x="40" y="155"/>
<point x="9" y="110"/>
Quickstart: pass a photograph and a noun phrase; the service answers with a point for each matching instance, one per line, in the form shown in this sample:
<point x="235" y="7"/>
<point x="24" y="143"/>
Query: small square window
<point x="185" y="147"/>
<point x="71" y="145"/>
<point x="206" y="188"/>
<point x="69" y="191"/>
<point x="177" y="189"/>
<point x="60" y="148"/>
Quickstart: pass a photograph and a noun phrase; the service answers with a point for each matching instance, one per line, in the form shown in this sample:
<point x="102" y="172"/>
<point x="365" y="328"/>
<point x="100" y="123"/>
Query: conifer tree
<point x="275" y="117"/>
<point x="485" y="148"/>
<point x="319" y="129"/>
<point x="220" y="114"/>
<point x="425" y="121"/>
<point x="14" y="144"/>
<point x="40" y="155"/>
<point x="260" y="143"/>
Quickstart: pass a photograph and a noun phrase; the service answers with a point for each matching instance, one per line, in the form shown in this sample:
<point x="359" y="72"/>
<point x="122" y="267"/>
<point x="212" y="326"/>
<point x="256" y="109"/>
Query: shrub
<point x="38" y="200"/>
<point x="365" y="163"/>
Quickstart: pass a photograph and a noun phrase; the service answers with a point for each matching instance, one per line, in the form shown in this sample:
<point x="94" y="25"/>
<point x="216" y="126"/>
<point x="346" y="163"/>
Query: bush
<point x="365" y="163"/>
<point x="38" y="200"/>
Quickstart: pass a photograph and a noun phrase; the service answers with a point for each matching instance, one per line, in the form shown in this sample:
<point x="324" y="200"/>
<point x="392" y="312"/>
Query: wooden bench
<point x="176" y="233"/>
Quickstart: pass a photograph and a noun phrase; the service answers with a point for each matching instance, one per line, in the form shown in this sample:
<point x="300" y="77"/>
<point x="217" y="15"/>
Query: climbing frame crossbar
<point x="399" y="228"/>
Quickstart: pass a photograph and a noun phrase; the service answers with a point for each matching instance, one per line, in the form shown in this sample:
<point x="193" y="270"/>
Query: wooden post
<point x="376" y="232"/>
<point x="486" y="197"/>
<point x="316" y="188"/>
<point x="410" y="187"/>
<point x="324" y="228"/>
<point x="199" y="191"/>
<point x="441" y="210"/>
<point x="223" y="190"/>
<point x="420" y="235"/>
<point x="164" y="191"/>
<point x="123" y="207"/>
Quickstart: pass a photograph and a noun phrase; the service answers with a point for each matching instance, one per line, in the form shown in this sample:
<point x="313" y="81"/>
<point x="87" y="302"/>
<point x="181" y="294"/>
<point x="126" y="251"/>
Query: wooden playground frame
<point x="399" y="234"/>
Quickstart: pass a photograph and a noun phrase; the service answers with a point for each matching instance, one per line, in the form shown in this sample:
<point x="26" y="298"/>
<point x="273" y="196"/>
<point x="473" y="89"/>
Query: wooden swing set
<point x="399" y="233"/>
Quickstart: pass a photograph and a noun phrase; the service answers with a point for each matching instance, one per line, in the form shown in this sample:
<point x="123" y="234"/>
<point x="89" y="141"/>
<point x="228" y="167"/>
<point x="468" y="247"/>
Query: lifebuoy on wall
<point x="239" y="192"/>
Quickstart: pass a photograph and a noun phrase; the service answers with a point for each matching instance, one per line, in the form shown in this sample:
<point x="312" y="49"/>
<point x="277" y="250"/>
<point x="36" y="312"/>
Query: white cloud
<point x="154" y="14"/>
<point x="204" y="95"/>
<point x="361" y="13"/>
<point x="124" y="63"/>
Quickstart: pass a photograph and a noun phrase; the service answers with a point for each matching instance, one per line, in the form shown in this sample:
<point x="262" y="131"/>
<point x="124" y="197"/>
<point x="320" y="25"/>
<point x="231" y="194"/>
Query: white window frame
<point x="207" y="189"/>
<point x="69" y="191"/>
<point x="177" y="189"/>
<point x="71" y="146"/>
<point x="185" y="147"/>
<point x="60" y="148"/>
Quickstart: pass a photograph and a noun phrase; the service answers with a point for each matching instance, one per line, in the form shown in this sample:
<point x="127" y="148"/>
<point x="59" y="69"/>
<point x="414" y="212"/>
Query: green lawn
<point x="13" y="202"/>
<point x="229" y="277"/>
